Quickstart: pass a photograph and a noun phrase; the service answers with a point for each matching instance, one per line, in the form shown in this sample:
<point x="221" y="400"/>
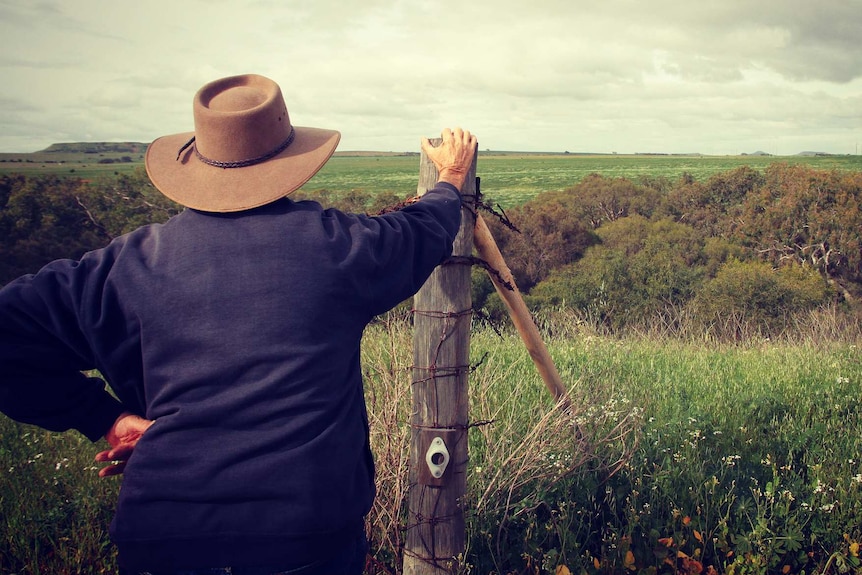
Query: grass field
<point x="74" y="161"/>
<point x="742" y="458"/>
<point x="512" y="179"/>
<point x="507" y="178"/>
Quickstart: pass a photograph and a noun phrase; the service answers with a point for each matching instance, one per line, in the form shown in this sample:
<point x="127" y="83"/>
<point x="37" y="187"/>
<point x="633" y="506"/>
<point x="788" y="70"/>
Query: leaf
<point x="562" y="570"/>
<point x="596" y="563"/>
<point x="666" y="541"/>
<point x="698" y="536"/>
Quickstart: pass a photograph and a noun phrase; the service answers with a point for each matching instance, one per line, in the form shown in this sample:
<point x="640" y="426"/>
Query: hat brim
<point x="190" y="182"/>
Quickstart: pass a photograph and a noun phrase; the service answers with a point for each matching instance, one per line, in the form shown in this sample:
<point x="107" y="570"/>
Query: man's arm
<point x="44" y="352"/>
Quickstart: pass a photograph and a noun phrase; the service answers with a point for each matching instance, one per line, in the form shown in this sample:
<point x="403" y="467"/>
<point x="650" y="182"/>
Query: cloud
<point x="548" y="74"/>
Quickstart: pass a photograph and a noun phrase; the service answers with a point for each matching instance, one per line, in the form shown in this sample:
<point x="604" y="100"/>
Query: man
<point x="230" y="336"/>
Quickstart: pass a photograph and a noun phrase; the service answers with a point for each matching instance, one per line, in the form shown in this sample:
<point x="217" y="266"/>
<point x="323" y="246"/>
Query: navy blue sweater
<point x="239" y="335"/>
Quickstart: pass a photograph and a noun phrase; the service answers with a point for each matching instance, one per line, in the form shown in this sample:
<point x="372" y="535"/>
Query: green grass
<point x="516" y="178"/>
<point x="55" y="509"/>
<point x="76" y="168"/>
<point x="746" y="457"/>
<point x="755" y="447"/>
<point x="507" y="179"/>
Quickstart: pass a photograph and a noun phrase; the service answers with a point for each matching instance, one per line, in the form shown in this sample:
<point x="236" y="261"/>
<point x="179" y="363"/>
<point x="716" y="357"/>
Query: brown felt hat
<point x="244" y="151"/>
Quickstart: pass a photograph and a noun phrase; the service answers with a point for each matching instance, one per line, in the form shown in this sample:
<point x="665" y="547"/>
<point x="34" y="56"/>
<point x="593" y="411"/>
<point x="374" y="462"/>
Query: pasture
<point x="508" y="178"/>
<point x="511" y="178"/>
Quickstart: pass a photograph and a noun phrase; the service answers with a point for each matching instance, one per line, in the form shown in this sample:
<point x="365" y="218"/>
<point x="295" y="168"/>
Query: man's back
<point x="238" y="334"/>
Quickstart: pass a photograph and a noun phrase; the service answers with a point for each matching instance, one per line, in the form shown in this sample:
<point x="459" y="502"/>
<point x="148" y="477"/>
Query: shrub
<point x="550" y="236"/>
<point x="640" y="269"/>
<point x="753" y="297"/>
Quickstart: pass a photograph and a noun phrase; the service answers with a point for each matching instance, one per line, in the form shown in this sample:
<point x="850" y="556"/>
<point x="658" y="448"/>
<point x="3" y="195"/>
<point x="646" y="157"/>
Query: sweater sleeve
<point x="43" y="354"/>
<point x="399" y="250"/>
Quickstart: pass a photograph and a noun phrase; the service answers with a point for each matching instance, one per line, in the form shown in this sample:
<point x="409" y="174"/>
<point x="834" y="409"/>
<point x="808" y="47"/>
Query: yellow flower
<point x="854" y="549"/>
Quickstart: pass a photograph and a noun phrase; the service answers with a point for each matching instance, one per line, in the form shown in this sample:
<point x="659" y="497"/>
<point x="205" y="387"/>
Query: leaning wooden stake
<point x="487" y="249"/>
<point x="435" y="531"/>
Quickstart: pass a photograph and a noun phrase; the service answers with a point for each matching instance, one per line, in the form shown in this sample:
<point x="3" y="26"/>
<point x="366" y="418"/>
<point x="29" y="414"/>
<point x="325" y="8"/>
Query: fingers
<point x="119" y="453"/>
<point x="450" y="136"/>
<point x="427" y="146"/>
<point x="117" y="458"/>
<point x="454" y="156"/>
<point x="116" y="468"/>
<point x="458" y="136"/>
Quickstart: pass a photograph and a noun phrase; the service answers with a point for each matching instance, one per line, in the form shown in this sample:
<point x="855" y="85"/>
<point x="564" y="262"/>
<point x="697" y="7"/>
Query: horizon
<point x="481" y="151"/>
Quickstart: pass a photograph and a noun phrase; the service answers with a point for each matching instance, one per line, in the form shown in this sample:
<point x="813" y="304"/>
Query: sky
<point x="649" y="76"/>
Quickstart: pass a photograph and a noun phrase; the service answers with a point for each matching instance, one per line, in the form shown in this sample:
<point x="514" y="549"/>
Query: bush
<point x="550" y="236"/>
<point x="753" y="297"/>
<point x="640" y="269"/>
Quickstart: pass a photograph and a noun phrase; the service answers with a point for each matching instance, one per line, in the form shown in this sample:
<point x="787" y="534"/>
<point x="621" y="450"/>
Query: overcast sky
<point x="708" y="76"/>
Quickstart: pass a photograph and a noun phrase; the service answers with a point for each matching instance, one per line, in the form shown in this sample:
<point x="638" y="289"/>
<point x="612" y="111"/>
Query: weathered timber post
<point x="435" y="531"/>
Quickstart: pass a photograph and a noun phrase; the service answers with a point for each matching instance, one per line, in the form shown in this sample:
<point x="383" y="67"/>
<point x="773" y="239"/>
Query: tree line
<point x="743" y="247"/>
<point x="743" y="252"/>
<point x="43" y="218"/>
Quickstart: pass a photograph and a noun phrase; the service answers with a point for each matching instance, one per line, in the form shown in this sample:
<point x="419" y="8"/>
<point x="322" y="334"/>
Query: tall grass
<point x="693" y="457"/>
<point x="55" y="510"/>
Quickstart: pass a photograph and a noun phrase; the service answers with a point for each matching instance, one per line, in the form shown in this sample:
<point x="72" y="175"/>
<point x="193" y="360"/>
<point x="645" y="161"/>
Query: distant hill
<point x="96" y="148"/>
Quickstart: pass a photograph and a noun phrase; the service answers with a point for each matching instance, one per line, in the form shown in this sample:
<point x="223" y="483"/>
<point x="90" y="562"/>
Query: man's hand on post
<point x="123" y="436"/>
<point x="454" y="157"/>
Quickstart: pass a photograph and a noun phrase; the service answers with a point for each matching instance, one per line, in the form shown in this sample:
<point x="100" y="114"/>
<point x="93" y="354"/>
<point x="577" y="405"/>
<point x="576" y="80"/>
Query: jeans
<point x="350" y="561"/>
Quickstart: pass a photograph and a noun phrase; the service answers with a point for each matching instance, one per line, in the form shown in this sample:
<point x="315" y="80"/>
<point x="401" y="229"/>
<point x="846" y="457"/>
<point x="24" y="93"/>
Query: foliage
<point x="640" y="268"/>
<point x="661" y="247"/>
<point x="355" y="201"/>
<point x="766" y="297"/>
<point x="550" y="235"/>
<point x="45" y="218"/>
<point x="621" y="252"/>
<point x="811" y="217"/>
<point x="118" y="205"/>
<point x="747" y="459"/>
<point x="710" y="206"/>
<point x="40" y="221"/>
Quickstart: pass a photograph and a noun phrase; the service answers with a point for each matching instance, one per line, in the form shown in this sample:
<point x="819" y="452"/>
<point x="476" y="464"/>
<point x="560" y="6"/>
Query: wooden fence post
<point x="435" y="531"/>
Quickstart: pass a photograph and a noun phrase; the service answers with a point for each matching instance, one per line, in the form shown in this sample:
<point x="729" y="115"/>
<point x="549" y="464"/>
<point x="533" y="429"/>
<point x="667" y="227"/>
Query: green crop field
<point x="507" y="178"/>
<point x="511" y="179"/>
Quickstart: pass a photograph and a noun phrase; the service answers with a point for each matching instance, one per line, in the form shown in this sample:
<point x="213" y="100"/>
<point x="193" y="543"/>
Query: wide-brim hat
<point x="244" y="152"/>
